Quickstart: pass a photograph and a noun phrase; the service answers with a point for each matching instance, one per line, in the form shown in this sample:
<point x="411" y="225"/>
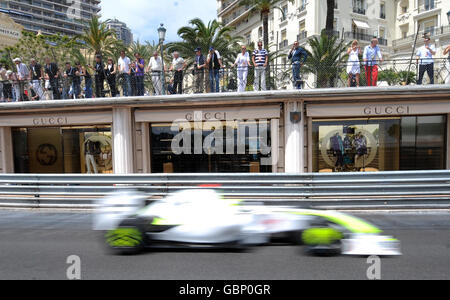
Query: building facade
<point x="66" y="17"/>
<point x="321" y="130"/>
<point x="122" y="31"/>
<point x="394" y="23"/>
<point x="10" y="31"/>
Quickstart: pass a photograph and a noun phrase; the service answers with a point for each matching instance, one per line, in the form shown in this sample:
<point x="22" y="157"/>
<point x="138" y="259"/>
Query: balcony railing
<point x="323" y="75"/>
<point x="436" y="31"/>
<point x="283" y="44"/>
<point x="303" y="35"/>
<point x="358" y="10"/>
<point x="364" y="37"/>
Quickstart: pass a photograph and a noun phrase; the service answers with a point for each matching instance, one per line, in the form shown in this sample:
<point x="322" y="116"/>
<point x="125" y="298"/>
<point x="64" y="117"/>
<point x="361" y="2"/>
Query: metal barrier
<point x="388" y="190"/>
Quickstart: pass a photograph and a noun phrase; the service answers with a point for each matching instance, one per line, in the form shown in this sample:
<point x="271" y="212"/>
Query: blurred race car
<point x="202" y="218"/>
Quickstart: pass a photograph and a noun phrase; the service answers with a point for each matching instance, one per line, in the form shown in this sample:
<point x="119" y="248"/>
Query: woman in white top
<point x="353" y="66"/>
<point x="242" y="62"/>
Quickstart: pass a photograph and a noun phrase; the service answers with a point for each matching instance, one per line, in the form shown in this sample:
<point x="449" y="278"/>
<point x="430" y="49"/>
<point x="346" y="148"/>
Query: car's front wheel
<point x="125" y="240"/>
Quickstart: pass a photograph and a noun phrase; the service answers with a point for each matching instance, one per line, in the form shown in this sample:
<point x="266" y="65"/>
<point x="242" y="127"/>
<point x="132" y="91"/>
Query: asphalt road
<point x="36" y="245"/>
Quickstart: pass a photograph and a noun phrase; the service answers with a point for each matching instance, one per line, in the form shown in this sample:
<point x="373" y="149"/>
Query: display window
<point x="382" y="144"/>
<point x="76" y="149"/>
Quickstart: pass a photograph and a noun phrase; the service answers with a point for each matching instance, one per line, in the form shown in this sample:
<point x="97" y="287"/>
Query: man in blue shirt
<point x="298" y="56"/>
<point x="426" y="61"/>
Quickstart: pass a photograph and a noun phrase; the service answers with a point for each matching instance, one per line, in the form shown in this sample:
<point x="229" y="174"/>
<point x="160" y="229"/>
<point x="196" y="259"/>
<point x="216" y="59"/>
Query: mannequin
<point x="337" y="146"/>
<point x="90" y="150"/>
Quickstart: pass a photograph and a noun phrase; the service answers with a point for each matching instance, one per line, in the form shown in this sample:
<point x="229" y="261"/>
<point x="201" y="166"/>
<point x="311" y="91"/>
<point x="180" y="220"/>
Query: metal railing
<point x="384" y="190"/>
<point x="325" y="75"/>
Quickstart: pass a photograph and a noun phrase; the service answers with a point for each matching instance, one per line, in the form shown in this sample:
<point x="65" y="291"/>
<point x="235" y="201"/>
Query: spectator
<point x="214" y="62"/>
<point x="22" y="76"/>
<point x="425" y="60"/>
<point x="260" y="60"/>
<point x="7" y="87"/>
<point x="52" y="71"/>
<point x="178" y="65"/>
<point x="199" y="71"/>
<point x="84" y="72"/>
<point x="298" y="56"/>
<point x="140" y="65"/>
<point x="110" y="73"/>
<point x="72" y="85"/>
<point x="155" y="66"/>
<point x="15" y="91"/>
<point x="447" y="51"/>
<point x="371" y="53"/>
<point x="36" y="75"/>
<point x="133" y="79"/>
<point x="99" y="70"/>
<point x="242" y="62"/>
<point x="124" y="65"/>
<point x="353" y="68"/>
<point x="2" y="81"/>
<point x="171" y="88"/>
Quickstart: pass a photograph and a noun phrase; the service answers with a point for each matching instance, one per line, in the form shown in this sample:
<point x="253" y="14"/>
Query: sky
<point x="143" y="17"/>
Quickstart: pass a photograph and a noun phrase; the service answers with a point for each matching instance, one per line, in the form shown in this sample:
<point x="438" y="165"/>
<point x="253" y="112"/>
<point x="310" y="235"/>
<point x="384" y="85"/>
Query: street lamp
<point x="162" y="37"/>
<point x="448" y="17"/>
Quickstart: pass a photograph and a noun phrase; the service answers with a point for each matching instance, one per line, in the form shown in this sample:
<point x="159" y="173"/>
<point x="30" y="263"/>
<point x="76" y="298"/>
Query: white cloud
<point x="144" y="16"/>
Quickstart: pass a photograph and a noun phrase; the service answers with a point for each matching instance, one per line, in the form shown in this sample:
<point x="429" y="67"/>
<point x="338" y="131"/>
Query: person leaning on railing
<point x="298" y="57"/>
<point x="372" y="56"/>
<point x="447" y="51"/>
<point x="52" y="71"/>
<point x="22" y="79"/>
<point x="353" y="67"/>
<point x="36" y="75"/>
<point x="425" y="60"/>
<point x="155" y="68"/>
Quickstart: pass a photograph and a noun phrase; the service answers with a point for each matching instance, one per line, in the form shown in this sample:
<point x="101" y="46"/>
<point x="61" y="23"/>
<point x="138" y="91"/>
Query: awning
<point x="361" y="24"/>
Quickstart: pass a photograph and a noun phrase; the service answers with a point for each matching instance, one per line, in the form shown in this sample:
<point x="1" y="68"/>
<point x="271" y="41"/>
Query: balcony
<point x="364" y="37"/>
<point x="359" y="11"/>
<point x="303" y="35"/>
<point x="283" y="44"/>
<point x="433" y="33"/>
<point x="426" y="7"/>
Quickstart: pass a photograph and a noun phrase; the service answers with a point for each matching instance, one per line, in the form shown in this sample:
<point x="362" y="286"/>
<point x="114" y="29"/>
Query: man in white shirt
<point x="242" y="62"/>
<point x="426" y="61"/>
<point x="22" y="76"/>
<point x="155" y="67"/>
<point x="447" y="51"/>
<point x="125" y="70"/>
<point x="178" y="65"/>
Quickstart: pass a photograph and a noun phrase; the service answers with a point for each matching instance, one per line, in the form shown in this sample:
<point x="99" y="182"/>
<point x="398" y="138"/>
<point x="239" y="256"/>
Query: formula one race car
<point x="202" y="218"/>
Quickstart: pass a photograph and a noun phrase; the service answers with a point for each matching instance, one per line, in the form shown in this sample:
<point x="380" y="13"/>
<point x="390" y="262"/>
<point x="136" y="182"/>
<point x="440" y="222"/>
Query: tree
<point x="264" y="8"/>
<point x="326" y="59"/>
<point x="329" y="27"/>
<point x="204" y="35"/>
<point x="98" y="39"/>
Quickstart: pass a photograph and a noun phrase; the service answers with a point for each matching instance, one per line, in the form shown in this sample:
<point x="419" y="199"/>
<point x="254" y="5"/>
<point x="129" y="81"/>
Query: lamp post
<point x="162" y="37"/>
<point x="448" y="17"/>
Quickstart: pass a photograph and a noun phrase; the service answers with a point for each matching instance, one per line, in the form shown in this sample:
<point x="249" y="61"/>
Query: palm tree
<point x="264" y="8"/>
<point x="204" y="35"/>
<point x="326" y="59"/>
<point x="98" y="39"/>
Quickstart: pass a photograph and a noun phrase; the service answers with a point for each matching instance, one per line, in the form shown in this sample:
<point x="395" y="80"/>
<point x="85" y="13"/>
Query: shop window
<point x="385" y="144"/>
<point x="62" y="150"/>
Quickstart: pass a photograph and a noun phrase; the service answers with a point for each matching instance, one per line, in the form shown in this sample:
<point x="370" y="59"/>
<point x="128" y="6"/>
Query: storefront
<point x="205" y="140"/>
<point x="60" y="143"/>
<point x="379" y="137"/>
<point x="265" y="132"/>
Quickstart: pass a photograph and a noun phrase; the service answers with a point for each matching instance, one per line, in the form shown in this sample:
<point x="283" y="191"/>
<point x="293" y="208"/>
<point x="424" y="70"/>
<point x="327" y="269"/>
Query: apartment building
<point x="394" y="22"/>
<point x="122" y="31"/>
<point x="426" y="16"/>
<point x="67" y="17"/>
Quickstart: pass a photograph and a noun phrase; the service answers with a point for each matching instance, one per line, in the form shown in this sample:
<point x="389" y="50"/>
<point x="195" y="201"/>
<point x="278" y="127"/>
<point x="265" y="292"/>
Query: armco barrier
<point x="383" y="190"/>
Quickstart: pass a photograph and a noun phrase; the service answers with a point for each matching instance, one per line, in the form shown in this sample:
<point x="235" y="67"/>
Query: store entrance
<point x="76" y="149"/>
<point x="211" y="147"/>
